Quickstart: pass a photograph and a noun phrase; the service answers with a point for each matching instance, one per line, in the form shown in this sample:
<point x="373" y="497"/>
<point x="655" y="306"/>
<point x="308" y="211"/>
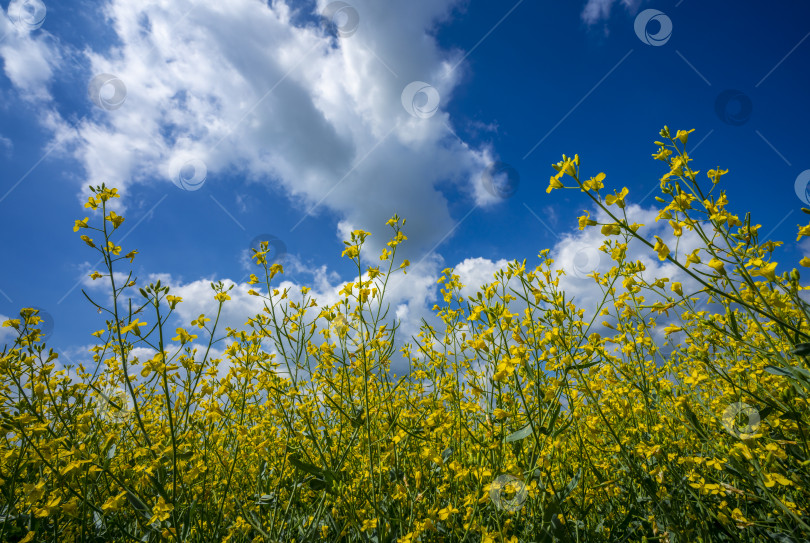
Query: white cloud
<point x="599" y="10"/>
<point x="6" y="144"/>
<point x="7" y="334"/>
<point x="412" y="296"/>
<point x="241" y="87"/>
<point x="475" y="272"/>
<point x="29" y="55"/>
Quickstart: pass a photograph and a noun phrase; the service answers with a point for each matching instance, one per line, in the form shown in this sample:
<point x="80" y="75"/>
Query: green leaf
<point x="520" y="434"/>
<point x="559" y="430"/>
<point x="266" y="499"/>
<point x="554" y="416"/>
<point x="185" y="455"/>
<point x="733" y="321"/>
<point x="317" y="483"/>
<point x="695" y="423"/>
<point x="801" y="349"/>
<point x="359" y="415"/>
<point x="139" y="506"/>
<point x="775" y="370"/>
<point x="572" y="484"/>
<point x="304" y="466"/>
<point x="794" y="372"/>
<point x="583" y="366"/>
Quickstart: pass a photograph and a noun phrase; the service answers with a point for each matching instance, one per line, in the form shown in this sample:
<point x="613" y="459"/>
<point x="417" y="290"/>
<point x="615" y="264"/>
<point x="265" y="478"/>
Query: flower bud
<point x="795" y="276"/>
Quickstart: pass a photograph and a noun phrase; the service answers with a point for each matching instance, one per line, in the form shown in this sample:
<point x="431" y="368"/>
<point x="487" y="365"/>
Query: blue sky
<point x="291" y="127"/>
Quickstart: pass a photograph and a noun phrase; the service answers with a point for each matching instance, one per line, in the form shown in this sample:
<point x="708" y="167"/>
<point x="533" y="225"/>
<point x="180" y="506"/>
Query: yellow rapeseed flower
<point x="715" y="175"/>
<point x="161" y="511"/>
<point x="115" y="219"/>
<point x="767" y="271"/>
<point x="594" y="183"/>
<point x="80" y="224"/>
<point x="585" y="220"/>
<point x="352" y="251"/>
<point x="611" y="199"/>
<point x="683" y="135"/>
<point x="611" y="229"/>
<point x="717" y="265"/>
<point x="554" y="183"/>
<point x="134" y="326"/>
<point x="661" y="248"/>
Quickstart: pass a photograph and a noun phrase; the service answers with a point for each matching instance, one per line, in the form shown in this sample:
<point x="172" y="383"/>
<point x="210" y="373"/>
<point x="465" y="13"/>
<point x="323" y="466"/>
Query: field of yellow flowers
<point x="569" y="436"/>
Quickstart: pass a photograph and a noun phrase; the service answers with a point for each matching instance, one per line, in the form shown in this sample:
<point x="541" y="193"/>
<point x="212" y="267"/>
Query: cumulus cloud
<point x="266" y="90"/>
<point x="273" y="93"/>
<point x="411" y="297"/>
<point x="193" y="90"/>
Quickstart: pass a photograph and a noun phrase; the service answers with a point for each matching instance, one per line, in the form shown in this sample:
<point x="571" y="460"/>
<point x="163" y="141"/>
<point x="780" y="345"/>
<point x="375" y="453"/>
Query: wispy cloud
<point x="599" y="10"/>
